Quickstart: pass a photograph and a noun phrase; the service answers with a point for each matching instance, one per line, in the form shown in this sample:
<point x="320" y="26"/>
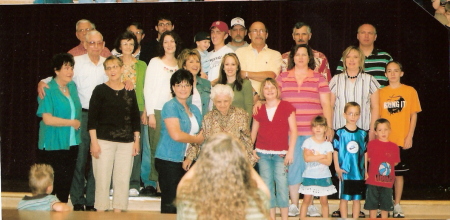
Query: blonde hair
<point x="361" y="58"/>
<point x="41" y="176"/>
<point x="222" y="186"/>
<point x="273" y="82"/>
<point x="185" y="55"/>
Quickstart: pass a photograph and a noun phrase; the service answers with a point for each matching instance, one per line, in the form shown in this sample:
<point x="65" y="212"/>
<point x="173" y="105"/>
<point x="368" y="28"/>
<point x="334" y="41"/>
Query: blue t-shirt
<point x="351" y="146"/>
<point x="42" y="202"/>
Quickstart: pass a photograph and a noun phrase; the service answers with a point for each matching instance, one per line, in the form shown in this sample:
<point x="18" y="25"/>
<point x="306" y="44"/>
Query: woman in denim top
<point x="182" y="122"/>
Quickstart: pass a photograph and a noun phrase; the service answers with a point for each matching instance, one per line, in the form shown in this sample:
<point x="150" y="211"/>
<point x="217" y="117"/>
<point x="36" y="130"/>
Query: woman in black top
<point x="114" y="129"/>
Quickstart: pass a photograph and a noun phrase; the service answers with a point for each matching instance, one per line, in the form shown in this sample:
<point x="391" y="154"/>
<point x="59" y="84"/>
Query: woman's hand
<point x="339" y="173"/>
<point x="40" y="89"/>
<point x="187" y="164"/>
<point x="144" y="118"/>
<point x="256" y="107"/>
<point x="289" y="158"/>
<point x="136" y="148"/>
<point x="95" y="149"/>
<point x="76" y="124"/>
<point x="200" y="137"/>
<point x="129" y="85"/>
<point x="371" y="135"/>
<point x="329" y="134"/>
<point x="255" y="156"/>
<point x="203" y="75"/>
<point x="152" y="121"/>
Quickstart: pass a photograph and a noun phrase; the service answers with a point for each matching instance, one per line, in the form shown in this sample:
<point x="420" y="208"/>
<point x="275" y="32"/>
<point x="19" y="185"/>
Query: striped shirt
<point x="375" y="65"/>
<point x="305" y="98"/>
<point x="42" y="202"/>
<point x="359" y="91"/>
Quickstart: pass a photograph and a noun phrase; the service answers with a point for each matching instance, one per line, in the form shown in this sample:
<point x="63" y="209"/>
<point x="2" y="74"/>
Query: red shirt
<point x="274" y="135"/>
<point x="382" y="159"/>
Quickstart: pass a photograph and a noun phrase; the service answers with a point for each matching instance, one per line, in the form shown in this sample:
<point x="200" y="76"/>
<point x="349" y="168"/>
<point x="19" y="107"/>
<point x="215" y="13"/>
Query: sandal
<point x="361" y="215"/>
<point x="336" y="214"/>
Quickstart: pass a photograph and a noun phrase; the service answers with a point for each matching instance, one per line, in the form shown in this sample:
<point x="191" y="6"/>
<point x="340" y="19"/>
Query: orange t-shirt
<point x="397" y="105"/>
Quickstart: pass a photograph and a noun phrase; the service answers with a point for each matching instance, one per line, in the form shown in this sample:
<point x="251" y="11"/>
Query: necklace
<point x="63" y="88"/>
<point x="352" y="77"/>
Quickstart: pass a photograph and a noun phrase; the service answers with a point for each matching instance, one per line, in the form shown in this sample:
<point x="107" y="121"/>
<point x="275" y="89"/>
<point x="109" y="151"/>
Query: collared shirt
<point x="117" y="54"/>
<point x="358" y="91"/>
<point x="266" y="60"/>
<point x="374" y="64"/>
<point x="87" y="76"/>
<point x="320" y="60"/>
<point x="80" y="50"/>
<point x="215" y="59"/>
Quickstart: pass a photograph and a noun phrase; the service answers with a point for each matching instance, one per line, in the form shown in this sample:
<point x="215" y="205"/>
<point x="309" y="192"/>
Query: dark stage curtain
<point x="32" y="34"/>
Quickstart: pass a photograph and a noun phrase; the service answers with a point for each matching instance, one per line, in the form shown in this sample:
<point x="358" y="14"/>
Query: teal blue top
<point x="58" y="105"/>
<point x="204" y="89"/>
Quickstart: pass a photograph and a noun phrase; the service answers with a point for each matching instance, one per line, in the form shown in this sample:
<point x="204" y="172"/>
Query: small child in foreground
<point x="317" y="176"/>
<point x="383" y="155"/>
<point x="41" y="178"/>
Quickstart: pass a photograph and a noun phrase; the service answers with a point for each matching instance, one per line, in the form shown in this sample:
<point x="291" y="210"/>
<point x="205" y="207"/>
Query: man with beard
<point x="301" y="33"/>
<point x="237" y="34"/>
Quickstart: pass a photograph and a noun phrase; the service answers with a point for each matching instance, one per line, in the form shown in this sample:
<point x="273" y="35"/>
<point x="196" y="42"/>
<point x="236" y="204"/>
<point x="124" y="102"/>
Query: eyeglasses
<point x="261" y="31"/>
<point x="85" y="30"/>
<point x="185" y="86"/>
<point x="112" y="67"/>
<point x="93" y="43"/>
<point x="164" y="24"/>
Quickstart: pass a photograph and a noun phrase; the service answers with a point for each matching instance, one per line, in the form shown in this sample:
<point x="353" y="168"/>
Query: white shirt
<point x="215" y="59"/>
<point x="157" y="85"/>
<point x="87" y="75"/>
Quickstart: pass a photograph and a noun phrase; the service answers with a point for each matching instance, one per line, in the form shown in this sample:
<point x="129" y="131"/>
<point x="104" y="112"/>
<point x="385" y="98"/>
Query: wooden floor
<point x="148" y="208"/>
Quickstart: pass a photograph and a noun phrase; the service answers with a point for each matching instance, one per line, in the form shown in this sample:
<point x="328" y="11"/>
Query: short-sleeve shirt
<point x="305" y="99"/>
<point x="42" y="202"/>
<point x="266" y="60"/>
<point x="315" y="169"/>
<point x="358" y="91"/>
<point x="351" y="146"/>
<point x="215" y="59"/>
<point x="320" y="61"/>
<point x="397" y="105"/>
<point x="383" y="157"/>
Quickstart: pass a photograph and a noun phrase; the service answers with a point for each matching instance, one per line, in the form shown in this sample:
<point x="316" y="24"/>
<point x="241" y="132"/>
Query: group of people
<point x="285" y="113"/>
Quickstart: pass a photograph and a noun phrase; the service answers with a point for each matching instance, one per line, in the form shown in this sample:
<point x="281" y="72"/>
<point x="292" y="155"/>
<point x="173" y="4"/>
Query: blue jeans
<point x="273" y="172"/>
<point x="145" y="164"/>
<point x="298" y="166"/>
<point x="83" y="159"/>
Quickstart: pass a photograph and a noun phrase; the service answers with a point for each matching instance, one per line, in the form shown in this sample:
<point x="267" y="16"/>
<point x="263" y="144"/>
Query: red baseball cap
<point x="221" y="25"/>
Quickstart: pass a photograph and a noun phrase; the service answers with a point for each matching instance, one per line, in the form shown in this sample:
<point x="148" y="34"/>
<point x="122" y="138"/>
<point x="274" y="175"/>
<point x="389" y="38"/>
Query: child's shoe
<point x="398" y="212"/>
<point x="293" y="210"/>
<point x="313" y="212"/>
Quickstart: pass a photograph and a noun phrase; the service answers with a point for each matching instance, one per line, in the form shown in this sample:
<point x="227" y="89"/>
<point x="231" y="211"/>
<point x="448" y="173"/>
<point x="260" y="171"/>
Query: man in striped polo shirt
<point x="376" y="59"/>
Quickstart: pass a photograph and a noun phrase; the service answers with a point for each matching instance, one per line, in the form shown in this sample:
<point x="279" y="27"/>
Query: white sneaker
<point x="134" y="193"/>
<point x="111" y="192"/>
<point x="293" y="210"/>
<point x="313" y="211"/>
<point x="398" y="212"/>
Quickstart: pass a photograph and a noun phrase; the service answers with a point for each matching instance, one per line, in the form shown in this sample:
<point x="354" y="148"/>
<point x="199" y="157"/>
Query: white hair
<point x="84" y="21"/>
<point x="90" y="33"/>
<point x="221" y="89"/>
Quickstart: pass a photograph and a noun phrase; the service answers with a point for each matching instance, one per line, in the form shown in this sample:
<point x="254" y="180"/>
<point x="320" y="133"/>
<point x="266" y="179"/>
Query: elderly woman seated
<point x="227" y="118"/>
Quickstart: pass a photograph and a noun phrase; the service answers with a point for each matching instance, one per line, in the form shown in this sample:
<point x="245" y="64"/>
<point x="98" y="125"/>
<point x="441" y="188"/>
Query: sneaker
<point x="111" y="192"/>
<point x="134" y="193"/>
<point x="293" y="211"/>
<point x="398" y="212"/>
<point x="313" y="211"/>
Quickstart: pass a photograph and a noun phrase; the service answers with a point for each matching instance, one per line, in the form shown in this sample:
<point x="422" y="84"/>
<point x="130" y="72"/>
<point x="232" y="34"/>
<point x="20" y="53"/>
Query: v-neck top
<point x="273" y="136"/>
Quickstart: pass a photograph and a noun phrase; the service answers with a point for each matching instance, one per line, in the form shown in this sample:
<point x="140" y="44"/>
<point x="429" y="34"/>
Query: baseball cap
<point x="202" y="36"/>
<point x="221" y="25"/>
<point x="237" y="20"/>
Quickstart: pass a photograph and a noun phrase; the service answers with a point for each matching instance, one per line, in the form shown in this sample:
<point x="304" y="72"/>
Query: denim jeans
<point x="145" y="163"/>
<point x="273" y="171"/>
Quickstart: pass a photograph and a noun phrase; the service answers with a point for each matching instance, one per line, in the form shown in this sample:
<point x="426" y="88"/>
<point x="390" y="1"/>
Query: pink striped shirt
<point x="305" y="99"/>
